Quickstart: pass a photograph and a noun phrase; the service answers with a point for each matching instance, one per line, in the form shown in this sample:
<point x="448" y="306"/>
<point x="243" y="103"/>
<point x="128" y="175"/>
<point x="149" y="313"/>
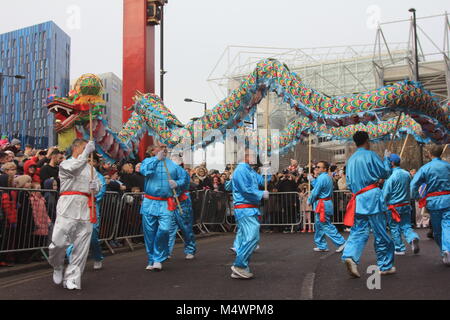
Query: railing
<point x="340" y="201"/>
<point x="281" y="209"/>
<point x="198" y="200"/>
<point x="129" y="218"/>
<point x="109" y="215"/>
<point x="26" y="219"/>
<point x="27" y="215"/>
<point x="214" y="210"/>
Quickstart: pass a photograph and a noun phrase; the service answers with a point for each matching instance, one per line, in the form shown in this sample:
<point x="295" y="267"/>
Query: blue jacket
<point x="99" y="196"/>
<point x="396" y="188"/>
<point x="436" y="175"/>
<point x="323" y="188"/>
<point x="157" y="183"/>
<point x="365" y="168"/>
<point x="245" y="185"/>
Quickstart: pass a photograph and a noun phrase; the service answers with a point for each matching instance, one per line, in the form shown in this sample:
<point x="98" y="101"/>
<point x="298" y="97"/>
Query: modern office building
<point x="112" y="94"/>
<point x="41" y="53"/>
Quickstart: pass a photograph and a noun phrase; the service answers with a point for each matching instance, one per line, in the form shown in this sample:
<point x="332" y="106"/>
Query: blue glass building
<point x="41" y="53"/>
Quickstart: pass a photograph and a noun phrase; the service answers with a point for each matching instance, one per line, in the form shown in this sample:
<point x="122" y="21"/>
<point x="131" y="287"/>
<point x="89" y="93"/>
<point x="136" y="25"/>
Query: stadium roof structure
<point x="348" y="69"/>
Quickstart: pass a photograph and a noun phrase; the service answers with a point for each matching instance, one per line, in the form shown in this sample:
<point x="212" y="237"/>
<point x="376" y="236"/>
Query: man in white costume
<point x="74" y="222"/>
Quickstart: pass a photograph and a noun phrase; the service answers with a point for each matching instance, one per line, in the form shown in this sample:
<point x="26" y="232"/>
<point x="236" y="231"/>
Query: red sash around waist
<point x="349" y="218"/>
<point x="394" y="212"/>
<point x="91" y="203"/>
<point x="321" y="209"/>
<point x="246" y="206"/>
<point x="171" y="202"/>
<point x="423" y="201"/>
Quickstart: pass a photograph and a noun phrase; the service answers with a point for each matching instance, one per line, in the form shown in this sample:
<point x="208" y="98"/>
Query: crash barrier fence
<point x="27" y="216"/>
<point x="289" y="209"/>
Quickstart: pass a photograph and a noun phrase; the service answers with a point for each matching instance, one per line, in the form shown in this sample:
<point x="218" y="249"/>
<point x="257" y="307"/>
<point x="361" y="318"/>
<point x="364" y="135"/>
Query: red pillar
<point x="138" y="58"/>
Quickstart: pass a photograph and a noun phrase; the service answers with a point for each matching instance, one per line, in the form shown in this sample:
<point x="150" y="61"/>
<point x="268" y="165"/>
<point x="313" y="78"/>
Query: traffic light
<point x="154" y="10"/>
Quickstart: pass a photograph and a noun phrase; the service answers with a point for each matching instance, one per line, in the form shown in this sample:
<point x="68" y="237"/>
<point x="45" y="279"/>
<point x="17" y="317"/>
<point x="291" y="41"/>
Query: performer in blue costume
<point x="397" y="196"/>
<point x="436" y="175"/>
<point x="367" y="209"/>
<point x="246" y="199"/>
<point x="237" y="239"/>
<point x="321" y="199"/>
<point x="159" y="204"/>
<point x="95" y="247"/>
<point x="184" y="220"/>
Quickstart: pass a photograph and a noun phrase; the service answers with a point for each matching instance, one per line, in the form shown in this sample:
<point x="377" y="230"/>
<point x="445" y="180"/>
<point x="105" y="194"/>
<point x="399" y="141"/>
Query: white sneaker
<point x="320" y="250"/>
<point x="157" y="266"/>
<point x="399" y="253"/>
<point x="242" y="273"/>
<point x="235" y="276"/>
<point x="98" y="265"/>
<point x="189" y="256"/>
<point x="340" y="249"/>
<point x="58" y="275"/>
<point x="415" y="246"/>
<point x="352" y="268"/>
<point x="257" y="247"/>
<point x="149" y="267"/>
<point x="69" y="284"/>
<point x="388" y="272"/>
<point x="446" y="258"/>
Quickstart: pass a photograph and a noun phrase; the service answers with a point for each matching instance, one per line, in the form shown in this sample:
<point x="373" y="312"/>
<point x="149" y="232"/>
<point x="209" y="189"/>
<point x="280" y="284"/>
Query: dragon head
<point x="75" y="108"/>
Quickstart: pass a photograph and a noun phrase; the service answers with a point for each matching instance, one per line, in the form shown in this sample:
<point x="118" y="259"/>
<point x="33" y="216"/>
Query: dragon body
<point x="333" y="117"/>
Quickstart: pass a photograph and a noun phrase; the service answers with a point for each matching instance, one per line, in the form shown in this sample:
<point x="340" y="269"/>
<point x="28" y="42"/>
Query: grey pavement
<point x="285" y="268"/>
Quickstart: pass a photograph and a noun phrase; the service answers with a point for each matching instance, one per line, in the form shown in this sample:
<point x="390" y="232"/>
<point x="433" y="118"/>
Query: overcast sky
<point x="198" y="31"/>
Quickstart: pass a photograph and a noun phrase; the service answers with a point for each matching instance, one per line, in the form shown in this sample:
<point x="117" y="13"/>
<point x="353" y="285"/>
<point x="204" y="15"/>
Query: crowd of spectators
<point x="294" y="178"/>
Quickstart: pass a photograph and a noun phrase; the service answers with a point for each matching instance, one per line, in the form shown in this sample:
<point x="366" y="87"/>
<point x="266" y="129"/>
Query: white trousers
<point x="66" y="232"/>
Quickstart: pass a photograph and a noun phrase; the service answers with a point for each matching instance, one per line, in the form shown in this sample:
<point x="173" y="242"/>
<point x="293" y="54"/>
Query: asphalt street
<point x="285" y="268"/>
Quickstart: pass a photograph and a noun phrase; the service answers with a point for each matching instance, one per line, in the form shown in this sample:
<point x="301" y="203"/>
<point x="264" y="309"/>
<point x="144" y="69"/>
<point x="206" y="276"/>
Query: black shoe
<point x="430" y="234"/>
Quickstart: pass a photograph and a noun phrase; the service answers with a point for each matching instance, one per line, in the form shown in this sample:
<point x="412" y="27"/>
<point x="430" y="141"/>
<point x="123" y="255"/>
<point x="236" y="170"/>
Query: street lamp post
<point x="206" y="109"/>
<point x="416" y="47"/>
<point x="416" y="69"/>
<point x="2" y="75"/>
<point x="162" y="71"/>
<point x="204" y="103"/>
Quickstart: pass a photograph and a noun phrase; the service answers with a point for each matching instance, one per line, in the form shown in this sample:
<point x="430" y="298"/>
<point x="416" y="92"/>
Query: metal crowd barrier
<point x="215" y="208"/>
<point x="198" y="198"/>
<point x="340" y="201"/>
<point x="282" y="209"/>
<point x="109" y="216"/>
<point x="129" y="220"/>
<point x="26" y="220"/>
<point x="27" y="225"/>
